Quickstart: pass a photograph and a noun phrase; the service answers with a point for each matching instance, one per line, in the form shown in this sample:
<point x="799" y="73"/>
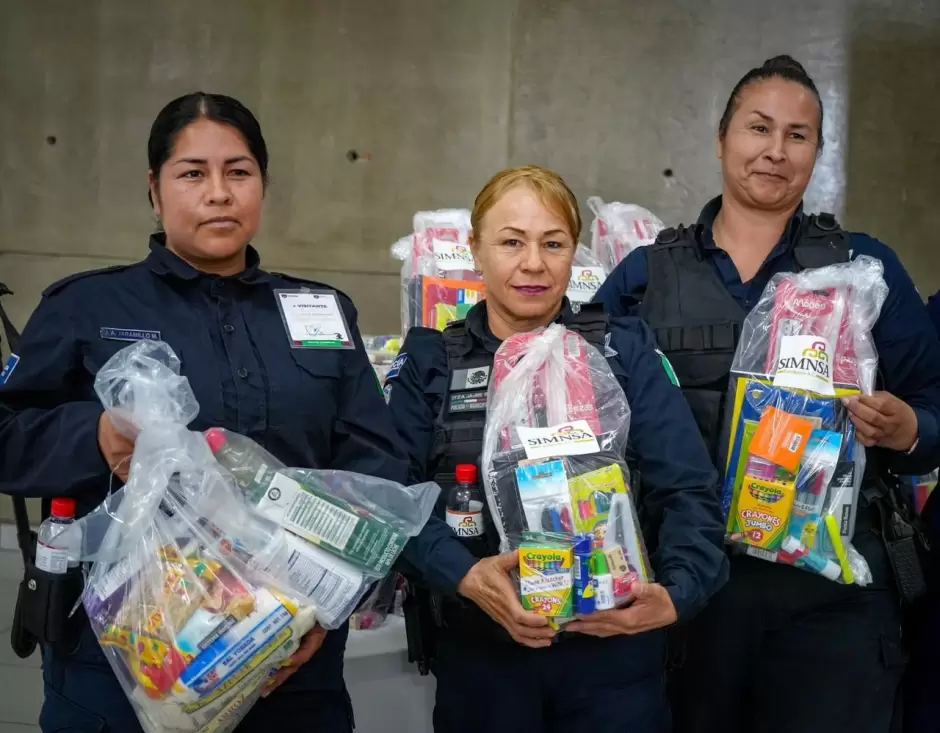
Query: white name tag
<point x="569" y="439"/>
<point x="313" y="319"/>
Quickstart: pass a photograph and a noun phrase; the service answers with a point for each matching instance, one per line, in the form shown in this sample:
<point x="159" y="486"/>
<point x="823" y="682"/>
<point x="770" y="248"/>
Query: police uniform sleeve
<point x="625" y="286"/>
<point x="933" y="309"/>
<point x="678" y="482"/>
<point x="414" y="394"/>
<point x="48" y="434"/>
<point x="909" y="358"/>
<point x="364" y="438"/>
<point x="414" y="389"/>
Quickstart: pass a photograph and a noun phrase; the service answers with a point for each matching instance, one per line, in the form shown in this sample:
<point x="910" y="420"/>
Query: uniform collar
<point x="163" y="262"/>
<point x="706" y="220"/>
<point x="479" y="328"/>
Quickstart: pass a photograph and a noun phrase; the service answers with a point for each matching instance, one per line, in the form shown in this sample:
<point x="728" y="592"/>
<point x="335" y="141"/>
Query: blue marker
<point x="583" y="579"/>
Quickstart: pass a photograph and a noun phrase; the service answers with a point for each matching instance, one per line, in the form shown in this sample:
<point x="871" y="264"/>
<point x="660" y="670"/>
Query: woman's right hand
<point x="116" y="448"/>
<point x="489" y="585"/>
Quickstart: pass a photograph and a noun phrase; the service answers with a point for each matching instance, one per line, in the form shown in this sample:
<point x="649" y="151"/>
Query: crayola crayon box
<point x="763" y="512"/>
<point x="545" y="575"/>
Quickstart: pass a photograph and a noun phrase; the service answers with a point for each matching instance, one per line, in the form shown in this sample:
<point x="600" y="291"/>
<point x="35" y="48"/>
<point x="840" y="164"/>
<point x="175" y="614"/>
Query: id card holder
<point x="313" y="319"/>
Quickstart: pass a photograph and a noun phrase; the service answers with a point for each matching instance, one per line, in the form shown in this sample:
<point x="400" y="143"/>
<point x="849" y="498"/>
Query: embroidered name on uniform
<point x="129" y="334"/>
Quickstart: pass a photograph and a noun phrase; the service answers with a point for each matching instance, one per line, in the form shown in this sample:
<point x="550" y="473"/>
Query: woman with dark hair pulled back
<point x="201" y="290"/>
<point x="780" y="649"/>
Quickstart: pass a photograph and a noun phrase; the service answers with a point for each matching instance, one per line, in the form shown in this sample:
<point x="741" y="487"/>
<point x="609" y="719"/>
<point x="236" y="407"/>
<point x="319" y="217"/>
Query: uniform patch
<point x="608" y="351"/>
<point x="387" y="393"/>
<point x="129" y="334"/>
<point x="396" y="366"/>
<point x="667" y="366"/>
<point x="473" y="378"/>
<point x="468" y="401"/>
<point x="8" y="368"/>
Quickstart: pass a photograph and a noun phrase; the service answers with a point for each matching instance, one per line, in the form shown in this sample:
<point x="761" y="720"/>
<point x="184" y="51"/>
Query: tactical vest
<point x="697" y="322"/>
<point x="458" y="435"/>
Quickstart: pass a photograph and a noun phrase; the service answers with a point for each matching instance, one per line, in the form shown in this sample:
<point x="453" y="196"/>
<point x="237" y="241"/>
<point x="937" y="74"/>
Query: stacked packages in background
<point x="794" y="466"/>
<point x="439" y="284"/>
<point x="587" y="275"/>
<point x="556" y="481"/>
<point x="214" y="560"/>
<point x="618" y="229"/>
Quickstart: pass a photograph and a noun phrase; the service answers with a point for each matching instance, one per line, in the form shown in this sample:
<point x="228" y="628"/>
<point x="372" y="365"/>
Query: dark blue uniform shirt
<point x="933" y="308"/>
<point x="310" y="408"/>
<point x="908" y="348"/>
<point x="679" y="483"/>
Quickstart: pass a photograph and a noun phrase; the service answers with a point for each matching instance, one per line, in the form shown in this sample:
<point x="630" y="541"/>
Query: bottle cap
<point x="600" y="563"/>
<point x="791" y="545"/>
<point x="63" y="508"/>
<point x="466" y="473"/>
<point x="216" y="440"/>
<point x="583" y="544"/>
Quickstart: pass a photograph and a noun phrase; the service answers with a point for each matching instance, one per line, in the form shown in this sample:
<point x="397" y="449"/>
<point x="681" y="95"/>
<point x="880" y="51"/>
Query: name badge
<point x="313" y="319"/>
<point x="129" y="334"/>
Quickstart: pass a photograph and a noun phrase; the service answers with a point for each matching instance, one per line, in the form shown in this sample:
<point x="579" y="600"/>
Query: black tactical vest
<point x="458" y="435"/>
<point x="697" y="322"/>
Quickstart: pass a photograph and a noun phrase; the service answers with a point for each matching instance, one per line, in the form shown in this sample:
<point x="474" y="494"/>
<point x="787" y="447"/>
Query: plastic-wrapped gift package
<point x="618" y="229"/>
<point x="204" y="581"/>
<point x="439" y="284"/>
<point x="587" y="275"/>
<point x="794" y="466"/>
<point x="557" y="486"/>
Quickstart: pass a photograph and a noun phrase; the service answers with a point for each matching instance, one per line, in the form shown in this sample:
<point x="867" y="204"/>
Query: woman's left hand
<point x="309" y="645"/>
<point x="651" y="609"/>
<point x="883" y="420"/>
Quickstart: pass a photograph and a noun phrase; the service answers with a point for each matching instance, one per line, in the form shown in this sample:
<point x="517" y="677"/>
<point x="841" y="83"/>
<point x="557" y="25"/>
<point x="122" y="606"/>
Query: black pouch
<point x="905" y="542"/>
<point x="44" y="611"/>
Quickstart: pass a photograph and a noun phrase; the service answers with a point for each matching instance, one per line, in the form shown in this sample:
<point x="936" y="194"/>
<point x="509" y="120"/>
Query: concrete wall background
<point x="441" y="94"/>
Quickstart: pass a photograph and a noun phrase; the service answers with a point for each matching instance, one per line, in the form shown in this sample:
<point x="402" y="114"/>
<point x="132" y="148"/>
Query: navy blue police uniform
<point x="311" y="408"/>
<point x="922" y="708"/>
<point x="770" y="619"/>
<point x="571" y="685"/>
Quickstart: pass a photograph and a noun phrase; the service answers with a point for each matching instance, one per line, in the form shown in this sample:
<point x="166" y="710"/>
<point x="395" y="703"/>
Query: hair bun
<point x="783" y="62"/>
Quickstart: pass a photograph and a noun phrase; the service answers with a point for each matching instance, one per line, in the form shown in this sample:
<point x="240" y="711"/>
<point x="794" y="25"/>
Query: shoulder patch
<point x="667" y="367"/>
<point x="395" y="369"/>
<point x="8" y="368"/>
<point x="57" y="286"/>
<point x="387" y="393"/>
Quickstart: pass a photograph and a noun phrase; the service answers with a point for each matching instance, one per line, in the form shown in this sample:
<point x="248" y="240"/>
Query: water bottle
<point x="465" y="509"/>
<point x="54" y="556"/>
<point x="249" y="468"/>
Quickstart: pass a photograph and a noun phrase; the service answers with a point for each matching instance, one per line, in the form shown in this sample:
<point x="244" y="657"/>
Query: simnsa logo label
<point x="568" y="439"/>
<point x="804" y="362"/>
<point x="584" y="282"/>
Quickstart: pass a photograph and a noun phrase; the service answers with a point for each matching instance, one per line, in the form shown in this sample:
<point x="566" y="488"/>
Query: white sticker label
<point x="306" y="515"/>
<point x="467" y="524"/>
<point x="804" y="362"/>
<point x="585" y="281"/>
<point x="314" y="320"/>
<point x="452" y="255"/>
<point x="568" y="439"/>
<point x="52" y="559"/>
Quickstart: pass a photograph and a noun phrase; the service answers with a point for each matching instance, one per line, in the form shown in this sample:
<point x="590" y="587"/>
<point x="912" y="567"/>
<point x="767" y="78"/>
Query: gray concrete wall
<point x="441" y="94"/>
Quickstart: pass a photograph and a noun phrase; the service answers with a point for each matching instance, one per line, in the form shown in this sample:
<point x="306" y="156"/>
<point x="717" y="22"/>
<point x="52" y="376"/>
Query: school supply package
<point x="439" y="284"/>
<point x="793" y="464"/>
<point x="557" y="484"/>
<point x="214" y="560"/>
<point x="618" y="229"/>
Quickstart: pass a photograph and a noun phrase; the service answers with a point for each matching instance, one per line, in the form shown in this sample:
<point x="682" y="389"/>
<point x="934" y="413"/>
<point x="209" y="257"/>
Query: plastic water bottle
<point x="56" y="556"/>
<point x="250" y="469"/>
<point x="465" y="509"/>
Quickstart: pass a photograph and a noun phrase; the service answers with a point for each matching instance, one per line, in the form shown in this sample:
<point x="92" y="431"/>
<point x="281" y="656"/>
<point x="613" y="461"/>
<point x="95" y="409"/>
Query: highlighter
<point x="835" y="537"/>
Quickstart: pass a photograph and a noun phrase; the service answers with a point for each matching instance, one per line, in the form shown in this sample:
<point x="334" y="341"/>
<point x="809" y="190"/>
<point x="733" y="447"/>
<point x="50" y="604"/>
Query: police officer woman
<point x="525" y="228"/>
<point x="779" y="649"/>
<point x="201" y="290"/>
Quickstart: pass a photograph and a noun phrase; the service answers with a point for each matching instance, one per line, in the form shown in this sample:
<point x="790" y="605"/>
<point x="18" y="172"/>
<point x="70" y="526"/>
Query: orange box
<point x="781" y="438"/>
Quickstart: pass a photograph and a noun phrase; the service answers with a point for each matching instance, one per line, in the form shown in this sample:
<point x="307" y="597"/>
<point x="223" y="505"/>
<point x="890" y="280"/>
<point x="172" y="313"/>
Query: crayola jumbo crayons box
<point x="545" y="574"/>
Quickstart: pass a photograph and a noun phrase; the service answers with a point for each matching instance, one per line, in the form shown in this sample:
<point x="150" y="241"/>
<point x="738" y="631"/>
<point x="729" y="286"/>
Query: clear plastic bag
<point x="618" y="229"/>
<point x="439" y="283"/>
<point x="587" y="276"/>
<point x="557" y="485"/>
<point x="195" y="596"/>
<point x="794" y="465"/>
